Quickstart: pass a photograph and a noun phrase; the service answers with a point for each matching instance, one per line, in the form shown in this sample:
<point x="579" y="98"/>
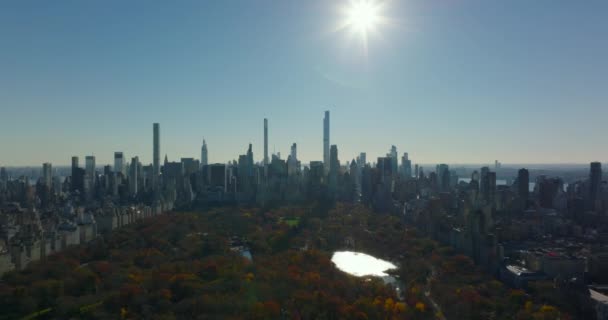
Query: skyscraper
<point x="77" y="179"/>
<point x="133" y="176"/>
<point x="406" y="166"/>
<point x="47" y="175"/>
<point x="523" y="187"/>
<point x="394" y="159"/>
<point x="89" y="175"/>
<point x="326" y="159"/>
<point x="204" y="155"/>
<point x="3" y="178"/>
<point x="362" y="159"/>
<point x="265" y="141"/>
<point x="119" y="162"/>
<point x="156" y="157"/>
<point x="595" y="180"/>
<point x="89" y="163"/>
<point x="294" y="151"/>
<point x="443" y="176"/>
<point x="334" y="167"/>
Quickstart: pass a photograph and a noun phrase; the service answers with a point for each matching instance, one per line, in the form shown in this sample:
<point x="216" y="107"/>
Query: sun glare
<point x="362" y="16"/>
<point x="362" y="19"/>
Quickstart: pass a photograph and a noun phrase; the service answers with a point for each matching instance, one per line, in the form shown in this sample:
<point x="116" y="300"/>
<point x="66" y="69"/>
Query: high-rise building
<point x="47" y="175"/>
<point x="334" y="168"/>
<point x="326" y="156"/>
<point x="487" y="185"/>
<point x="3" y="178"/>
<point x="119" y="162"/>
<point x="89" y="165"/>
<point x="133" y="176"/>
<point x="394" y="159"/>
<point x="362" y="160"/>
<point x="595" y="180"/>
<point x="443" y="176"/>
<point x="74" y="164"/>
<point x="294" y="151"/>
<point x="523" y="187"/>
<point x="156" y="157"/>
<point x="406" y="166"/>
<point x="77" y="178"/>
<point x="266" y="142"/>
<point x="204" y="155"/>
<point x="89" y="176"/>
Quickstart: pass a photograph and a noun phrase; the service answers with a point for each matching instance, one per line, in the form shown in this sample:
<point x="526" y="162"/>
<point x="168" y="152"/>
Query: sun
<point x="362" y="16"/>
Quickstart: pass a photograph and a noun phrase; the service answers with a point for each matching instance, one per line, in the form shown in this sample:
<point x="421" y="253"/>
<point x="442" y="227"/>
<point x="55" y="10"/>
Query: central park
<point x="261" y="263"/>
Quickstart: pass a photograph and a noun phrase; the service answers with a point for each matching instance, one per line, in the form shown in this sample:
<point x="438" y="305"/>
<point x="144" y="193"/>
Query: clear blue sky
<point x="454" y="81"/>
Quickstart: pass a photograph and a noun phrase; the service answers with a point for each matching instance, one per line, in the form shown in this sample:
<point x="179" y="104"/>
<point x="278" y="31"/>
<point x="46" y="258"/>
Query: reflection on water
<point x="361" y="264"/>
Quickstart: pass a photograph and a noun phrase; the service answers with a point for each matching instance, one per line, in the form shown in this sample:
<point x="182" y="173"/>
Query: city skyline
<point x="519" y="85"/>
<point x="118" y="158"/>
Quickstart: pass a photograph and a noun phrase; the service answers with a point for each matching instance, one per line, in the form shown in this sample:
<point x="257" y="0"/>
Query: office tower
<point x="265" y="141"/>
<point x="487" y="185"/>
<point x="406" y="166"/>
<point x="491" y="177"/>
<point x="394" y="159"/>
<point x="548" y="189"/>
<point x="156" y="157"/>
<point x="190" y="165"/>
<point x="74" y="165"/>
<point x="3" y="178"/>
<point x="217" y="176"/>
<point x="317" y="174"/>
<point x="385" y="167"/>
<point x="326" y="156"/>
<point x="134" y="176"/>
<point x="250" y="161"/>
<point x="204" y="155"/>
<point x="334" y="168"/>
<point x="595" y="180"/>
<point x="362" y="161"/>
<point x="294" y="151"/>
<point x="47" y="175"/>
<point x="119" y="162"/>
<point x="484" y="182"/>
<point x="416" y="168"/>
<point x="76" y="184"/>
<point x="89" y="164"/>
<point x="443" y="176"/>
<point x="523" y="187"/>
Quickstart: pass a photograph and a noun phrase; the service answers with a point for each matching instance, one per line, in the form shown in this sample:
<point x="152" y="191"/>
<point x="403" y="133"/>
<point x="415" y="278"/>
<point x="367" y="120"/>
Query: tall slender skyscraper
<point x="204" y="155"/>
<point x="156" y="157"/>
<point x="265" y="141"/>
<point x="47" y="174"/>
<point x="595" y="180"/>
<point x="326" y="141"/>
<point x="133" y="176"/>
<point x="523" y="187"/>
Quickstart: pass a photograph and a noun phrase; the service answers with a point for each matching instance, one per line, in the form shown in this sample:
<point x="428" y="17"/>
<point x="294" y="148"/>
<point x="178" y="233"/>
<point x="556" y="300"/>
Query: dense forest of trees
<point x="181" y="266"/>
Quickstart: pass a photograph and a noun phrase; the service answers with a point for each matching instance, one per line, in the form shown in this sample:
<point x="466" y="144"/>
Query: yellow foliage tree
<point x="400" y="307"/>
<point x="389" y="304"/>
<point x="420" y="306"/>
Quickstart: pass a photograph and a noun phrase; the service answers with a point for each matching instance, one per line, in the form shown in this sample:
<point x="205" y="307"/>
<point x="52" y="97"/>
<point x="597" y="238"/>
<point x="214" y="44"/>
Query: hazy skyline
<point x="446" y="81"/>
